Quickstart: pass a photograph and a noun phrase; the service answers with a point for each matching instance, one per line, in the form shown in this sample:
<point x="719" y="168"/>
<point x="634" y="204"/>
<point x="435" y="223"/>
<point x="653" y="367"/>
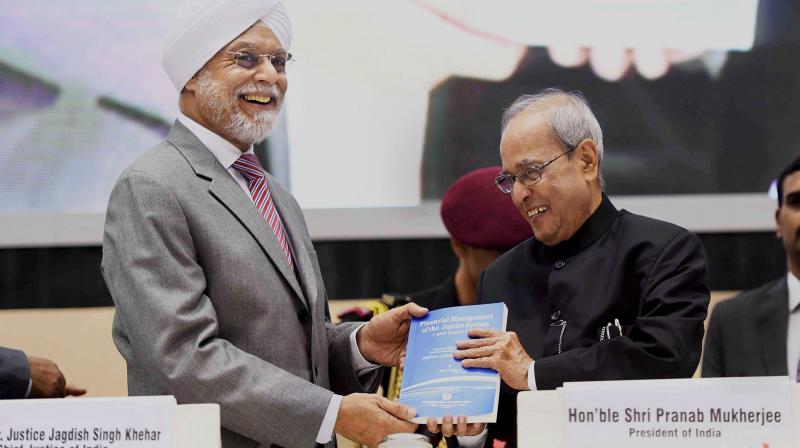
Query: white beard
<point x="225" y="114"/>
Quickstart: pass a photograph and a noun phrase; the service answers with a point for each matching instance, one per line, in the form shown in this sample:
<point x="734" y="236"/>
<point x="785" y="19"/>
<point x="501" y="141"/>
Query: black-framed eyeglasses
<point x="529" y="176"/>
<point x="249" y="60"/>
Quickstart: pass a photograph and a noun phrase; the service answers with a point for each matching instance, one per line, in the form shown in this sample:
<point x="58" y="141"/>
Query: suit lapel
<point x="228" y="192"/>
<point x="293" y="224"/>
<point x="773" y="321"/>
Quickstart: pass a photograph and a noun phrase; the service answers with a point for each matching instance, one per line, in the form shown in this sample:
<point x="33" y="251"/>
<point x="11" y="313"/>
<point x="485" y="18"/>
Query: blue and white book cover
<point x="435" y="383"/>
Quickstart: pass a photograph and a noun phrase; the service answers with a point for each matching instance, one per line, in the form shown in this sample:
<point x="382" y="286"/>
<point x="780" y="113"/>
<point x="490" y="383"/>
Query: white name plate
<point x="713" y="412"/>
<point x="87" y="423"/>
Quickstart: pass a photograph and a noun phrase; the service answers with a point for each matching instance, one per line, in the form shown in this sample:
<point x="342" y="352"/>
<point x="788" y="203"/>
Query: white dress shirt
<point x="227" y="154"/>
<point x="531" y="376"/>
<point x="793" y="332"/>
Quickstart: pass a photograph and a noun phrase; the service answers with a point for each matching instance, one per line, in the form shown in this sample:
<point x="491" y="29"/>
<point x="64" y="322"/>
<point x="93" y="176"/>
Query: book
<point x="435" y="383"/>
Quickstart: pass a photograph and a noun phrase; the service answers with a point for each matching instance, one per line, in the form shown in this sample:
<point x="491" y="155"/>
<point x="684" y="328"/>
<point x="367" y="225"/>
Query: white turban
<point x="203" y="27"/>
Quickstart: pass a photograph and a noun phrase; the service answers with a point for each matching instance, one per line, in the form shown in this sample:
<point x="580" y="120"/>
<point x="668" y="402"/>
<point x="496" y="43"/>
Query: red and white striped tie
<point x="250" y="168"/>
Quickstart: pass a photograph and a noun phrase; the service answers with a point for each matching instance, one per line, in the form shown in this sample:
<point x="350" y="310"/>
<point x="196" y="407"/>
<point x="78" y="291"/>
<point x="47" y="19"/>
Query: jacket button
<point x="303" y="316"/>
<point x="559" y="264"/>
<point x="316" y="371"/>
<point x="555" y="315"/>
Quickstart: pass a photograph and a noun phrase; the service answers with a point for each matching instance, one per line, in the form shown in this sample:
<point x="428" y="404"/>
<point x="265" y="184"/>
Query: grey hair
<point x="571" y="123"/>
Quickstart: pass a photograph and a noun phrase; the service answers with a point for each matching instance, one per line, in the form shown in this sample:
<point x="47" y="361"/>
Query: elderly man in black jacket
<point x="597" y="293"/>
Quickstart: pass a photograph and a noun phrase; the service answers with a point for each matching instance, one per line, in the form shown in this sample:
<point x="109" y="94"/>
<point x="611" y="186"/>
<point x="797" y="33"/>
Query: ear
<point x="587" y="154"/>
<point x="778" y="226"/>
<point x="191" y="86"/>
<point x="458" y="247"/>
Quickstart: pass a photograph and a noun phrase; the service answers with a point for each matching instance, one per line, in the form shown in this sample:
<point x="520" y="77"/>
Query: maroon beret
<point x="476" y="213"/>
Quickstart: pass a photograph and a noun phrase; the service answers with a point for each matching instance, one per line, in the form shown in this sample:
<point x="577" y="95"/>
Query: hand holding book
<point x="460" y="428"/>
<point x="496" y="350"/>
<point x="383" y="339"/>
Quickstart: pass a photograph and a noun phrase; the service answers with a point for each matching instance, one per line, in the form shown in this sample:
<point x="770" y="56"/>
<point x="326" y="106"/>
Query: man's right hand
<point x="47" y="381"/>
<point x="368" y="418"/>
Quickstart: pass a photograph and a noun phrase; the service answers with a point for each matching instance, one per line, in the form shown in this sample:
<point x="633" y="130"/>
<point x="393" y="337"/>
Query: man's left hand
<point x="383" y="339"/>
<point x="460" y="428"/>
<point x="498" y="350"/>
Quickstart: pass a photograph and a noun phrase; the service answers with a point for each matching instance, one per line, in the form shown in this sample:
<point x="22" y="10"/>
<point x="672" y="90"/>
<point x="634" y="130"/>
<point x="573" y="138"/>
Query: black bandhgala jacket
<point x="648" y="275"/>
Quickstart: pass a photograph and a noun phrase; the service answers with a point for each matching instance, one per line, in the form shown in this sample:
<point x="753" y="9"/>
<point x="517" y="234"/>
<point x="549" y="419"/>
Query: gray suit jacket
<point x="747" y="334"/>
<point x="208" y="309"/>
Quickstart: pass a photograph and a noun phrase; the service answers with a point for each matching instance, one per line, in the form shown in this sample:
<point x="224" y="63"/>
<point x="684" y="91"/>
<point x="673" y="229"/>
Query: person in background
<point x="598" y="293"/>
<point x="757" y="333"/>
<point x="483" y="224"/>
<point x="24" y="376"/>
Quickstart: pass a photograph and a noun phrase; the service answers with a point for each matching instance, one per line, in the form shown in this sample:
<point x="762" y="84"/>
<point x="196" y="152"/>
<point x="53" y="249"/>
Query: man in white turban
<point x="216" y="282"/>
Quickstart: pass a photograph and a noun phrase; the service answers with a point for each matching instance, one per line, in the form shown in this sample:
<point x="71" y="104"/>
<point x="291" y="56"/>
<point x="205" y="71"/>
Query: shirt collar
<point x="222" y="149"/>
<point x="597" y="224"/>
<point x="793" y="285"/>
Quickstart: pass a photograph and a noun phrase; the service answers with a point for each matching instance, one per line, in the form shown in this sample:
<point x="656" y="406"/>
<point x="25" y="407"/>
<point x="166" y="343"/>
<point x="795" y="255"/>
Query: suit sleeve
<point x="158" y="287"/>
<point x="343" y="377"/>
<point x="712" y="355"/>
<point x="15" y="374"/>
<point x="663" y="342"/>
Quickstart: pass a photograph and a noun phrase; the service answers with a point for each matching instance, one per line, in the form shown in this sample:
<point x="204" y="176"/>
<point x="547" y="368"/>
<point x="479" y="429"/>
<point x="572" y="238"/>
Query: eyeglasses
<point x="529" y="176"/>
<point x="249" y="60"/>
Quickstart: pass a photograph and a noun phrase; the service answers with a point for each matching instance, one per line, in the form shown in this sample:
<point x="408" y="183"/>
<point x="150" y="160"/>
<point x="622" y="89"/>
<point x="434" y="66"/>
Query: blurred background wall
<point x="389" y="102"/>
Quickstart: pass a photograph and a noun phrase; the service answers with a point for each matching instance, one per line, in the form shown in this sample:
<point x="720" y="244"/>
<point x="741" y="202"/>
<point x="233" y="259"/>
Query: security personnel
<point x="483" y="224"/>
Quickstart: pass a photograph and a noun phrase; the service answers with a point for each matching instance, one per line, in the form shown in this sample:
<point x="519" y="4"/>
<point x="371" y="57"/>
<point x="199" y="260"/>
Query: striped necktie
<point x="250" y="168"/>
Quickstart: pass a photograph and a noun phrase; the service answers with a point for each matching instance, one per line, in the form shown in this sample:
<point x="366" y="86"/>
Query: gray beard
<point x="225" y="115"/>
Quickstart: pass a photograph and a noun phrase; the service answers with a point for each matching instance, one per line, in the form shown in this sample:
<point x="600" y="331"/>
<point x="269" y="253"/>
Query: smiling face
<point x="237" y="103"/>
<point x="569" y="190"/>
